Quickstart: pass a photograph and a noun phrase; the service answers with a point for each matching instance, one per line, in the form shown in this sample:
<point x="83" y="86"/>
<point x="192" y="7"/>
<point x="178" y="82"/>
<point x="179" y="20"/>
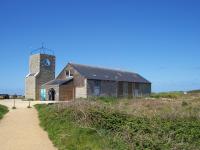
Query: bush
<point x="172" y="95"/>
<point x="184" y="103"/>
<point x="116" y="130"/>
<point x="67" y="134"/>
<point x="194" y="91"/>
<point x="107" y="99"/>
<point x="3" y="111"/>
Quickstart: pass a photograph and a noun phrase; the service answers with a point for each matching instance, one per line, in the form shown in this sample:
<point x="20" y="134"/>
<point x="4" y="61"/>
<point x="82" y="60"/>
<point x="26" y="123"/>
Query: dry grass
<point x="183" y="107"/>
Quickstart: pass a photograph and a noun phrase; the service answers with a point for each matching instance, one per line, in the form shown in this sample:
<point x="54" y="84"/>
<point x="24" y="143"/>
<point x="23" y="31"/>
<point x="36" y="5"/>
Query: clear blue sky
<point x="160" y="39"/>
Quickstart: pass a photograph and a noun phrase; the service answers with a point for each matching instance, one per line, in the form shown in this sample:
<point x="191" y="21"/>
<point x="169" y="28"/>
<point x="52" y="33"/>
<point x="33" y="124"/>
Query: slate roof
<point x="98" y="73"/>
<point x="58" y="81"/>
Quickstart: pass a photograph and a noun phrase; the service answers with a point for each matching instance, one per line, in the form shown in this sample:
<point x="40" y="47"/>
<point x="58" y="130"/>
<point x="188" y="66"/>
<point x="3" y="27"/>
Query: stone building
<point x="41" y="71"/>
<point x="79" y="81"/>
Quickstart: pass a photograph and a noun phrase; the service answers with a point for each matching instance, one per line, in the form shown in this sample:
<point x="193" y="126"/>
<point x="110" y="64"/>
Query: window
<point x="69" y="73"/>
<point x="97" y="87"/>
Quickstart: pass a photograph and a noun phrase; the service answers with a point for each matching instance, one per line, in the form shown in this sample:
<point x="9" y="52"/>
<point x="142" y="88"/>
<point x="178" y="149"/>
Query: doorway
<point x="52" y="94"/>
<point x="43" y="94"/>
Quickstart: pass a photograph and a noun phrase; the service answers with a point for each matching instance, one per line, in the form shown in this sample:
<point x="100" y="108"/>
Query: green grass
<point x="3" y="111"/>
<point x="67" y="134"/>
<point x="194" y="91"/>
<point x="171" y="95"/>
<point x="98" y="126"/>
<point x="149" y="133"/>
<point x="105" y="99"/>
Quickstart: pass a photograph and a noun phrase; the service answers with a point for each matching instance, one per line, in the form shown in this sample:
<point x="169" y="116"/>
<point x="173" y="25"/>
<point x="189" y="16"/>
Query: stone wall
<point x="30" y="87"/>
<point x="34" y="63"/>
<point x="125" y="89"/>
<point x="30" y="80"/>
<point x="145" y="89"/>
<point x="107" y="88"/>
<point x="141" y="89"/>
<point x="81" y="91"/>
<point x="80" y="82"/>
<point x="43" y="74"/>
<point x="119" y="89"/>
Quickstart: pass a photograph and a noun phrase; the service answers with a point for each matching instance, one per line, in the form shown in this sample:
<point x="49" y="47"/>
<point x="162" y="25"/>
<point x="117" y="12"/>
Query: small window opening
<point x="69" y="73"/>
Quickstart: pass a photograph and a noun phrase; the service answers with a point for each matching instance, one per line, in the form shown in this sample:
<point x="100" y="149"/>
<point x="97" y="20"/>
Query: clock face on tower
<point x="46" y="62"/>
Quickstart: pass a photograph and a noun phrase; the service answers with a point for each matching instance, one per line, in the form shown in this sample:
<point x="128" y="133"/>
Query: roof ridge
<point x="98" y="67"/>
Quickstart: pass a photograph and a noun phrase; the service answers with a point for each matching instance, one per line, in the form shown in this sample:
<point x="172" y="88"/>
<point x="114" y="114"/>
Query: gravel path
<point x="20" y="130"/>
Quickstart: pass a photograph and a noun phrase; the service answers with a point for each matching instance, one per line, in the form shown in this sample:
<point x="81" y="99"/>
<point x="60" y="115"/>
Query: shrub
<point x="117" y="130"/>
<point x="172" y="95"/>
<point x="3" y="111"/>
<point x="194" y="91"/>
<point x="184" y="103"/>
<point x="68" y="134"/>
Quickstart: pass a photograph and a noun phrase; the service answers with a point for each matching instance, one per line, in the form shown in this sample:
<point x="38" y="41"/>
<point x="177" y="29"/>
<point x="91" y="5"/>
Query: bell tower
<point x="41" y="71"/>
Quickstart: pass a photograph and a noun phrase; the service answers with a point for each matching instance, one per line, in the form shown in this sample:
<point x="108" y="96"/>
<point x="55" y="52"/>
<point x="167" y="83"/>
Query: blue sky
<point x="160" y="39"/>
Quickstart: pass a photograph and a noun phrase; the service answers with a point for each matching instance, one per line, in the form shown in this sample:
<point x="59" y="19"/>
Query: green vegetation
<point x="194" y="91"/>
<point x="67" y="134"/>
<point x="127" y="124"/>
<point x="173" y="95"/>
<point x="3" y="111"/>
<point x="109" y="100"/>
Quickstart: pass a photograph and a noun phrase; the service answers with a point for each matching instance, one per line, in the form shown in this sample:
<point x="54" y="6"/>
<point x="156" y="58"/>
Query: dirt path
<point x="20" y="130"/>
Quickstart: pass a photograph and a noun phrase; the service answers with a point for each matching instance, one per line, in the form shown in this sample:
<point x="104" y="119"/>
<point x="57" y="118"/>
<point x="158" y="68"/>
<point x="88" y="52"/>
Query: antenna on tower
<point x="42" y="50"/>
<point x="42" y="44"/>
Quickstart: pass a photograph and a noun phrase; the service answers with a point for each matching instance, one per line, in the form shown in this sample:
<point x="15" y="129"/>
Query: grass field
<point x="156" y="122"/>
<point x="3" y="111"/>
